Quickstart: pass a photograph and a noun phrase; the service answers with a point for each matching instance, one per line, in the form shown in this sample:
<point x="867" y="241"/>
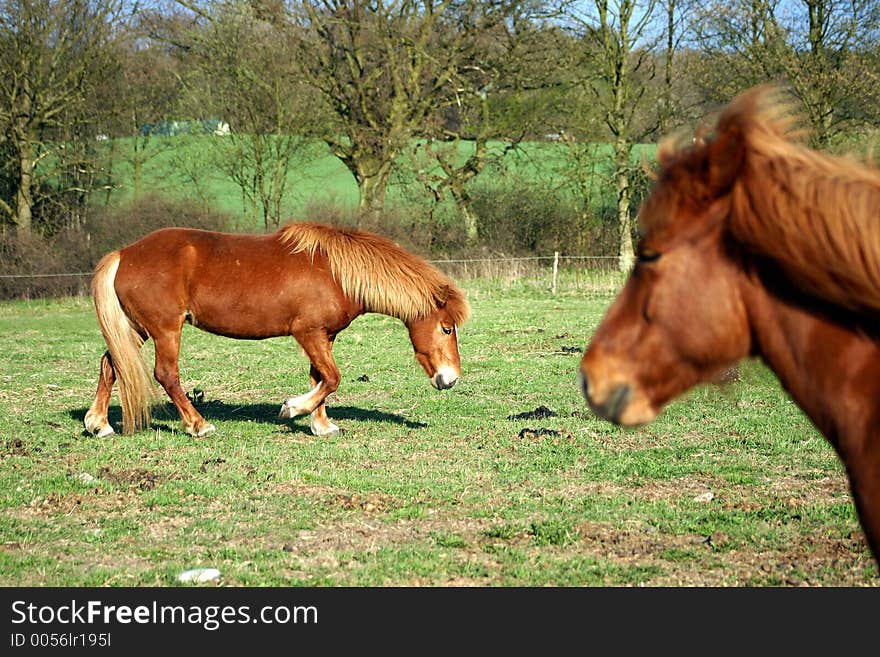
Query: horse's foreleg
<point x="96" y="421"/>
<point x="324" y="377"/>
<point x="168" y="375"/>
<point x="318" y="420"/>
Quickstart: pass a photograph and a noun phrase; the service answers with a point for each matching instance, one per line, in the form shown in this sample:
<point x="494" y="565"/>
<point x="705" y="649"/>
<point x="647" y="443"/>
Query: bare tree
<point x="145" y="91"/>
<point x="617" y="48"/>
<point x="820" y="47"/>
<point x="245" y="69"/>
<point x="453" y="174"/>
<point x="52" y="53"/>
<point x="384" y="68"/>
<point x="508" y="64"/>
<point x="677" y="17"/>
<point x="831" y="73"/>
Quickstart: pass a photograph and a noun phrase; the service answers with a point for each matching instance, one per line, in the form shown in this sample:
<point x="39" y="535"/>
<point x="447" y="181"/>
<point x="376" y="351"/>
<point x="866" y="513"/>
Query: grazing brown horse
<point x="754" y="245"/>
<point x="306" y="280"/>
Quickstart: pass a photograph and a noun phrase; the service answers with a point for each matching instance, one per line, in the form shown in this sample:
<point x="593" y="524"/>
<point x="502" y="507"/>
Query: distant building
<point x="172" y="128"/>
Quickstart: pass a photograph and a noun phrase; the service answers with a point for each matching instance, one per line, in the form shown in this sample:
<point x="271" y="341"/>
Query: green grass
<point x="423" y="487"/>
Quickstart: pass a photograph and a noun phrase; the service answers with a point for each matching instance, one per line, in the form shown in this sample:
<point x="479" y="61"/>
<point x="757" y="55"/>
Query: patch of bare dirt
<point x="798" y="491"/>
<point x="166" y="529"/>
<point x="369" y="536"/>
<point x="53" y="504"/>
<point x="94" y="500"/>
<point x="704" y="561"/>
<point x="297" y="489"/>
<point x="139" y="478"/>
<point x="369" y="503"/>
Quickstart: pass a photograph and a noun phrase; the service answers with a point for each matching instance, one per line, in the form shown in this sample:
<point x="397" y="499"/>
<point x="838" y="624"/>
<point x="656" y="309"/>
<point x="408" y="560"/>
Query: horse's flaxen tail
<point x="124" y="344"/>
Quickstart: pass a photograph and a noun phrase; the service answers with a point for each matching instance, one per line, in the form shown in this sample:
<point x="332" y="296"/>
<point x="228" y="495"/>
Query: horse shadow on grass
<point x="166" y="418"/>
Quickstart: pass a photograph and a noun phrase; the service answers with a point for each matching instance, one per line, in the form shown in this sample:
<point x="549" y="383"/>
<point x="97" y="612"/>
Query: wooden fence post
<point x="555" y="270"/>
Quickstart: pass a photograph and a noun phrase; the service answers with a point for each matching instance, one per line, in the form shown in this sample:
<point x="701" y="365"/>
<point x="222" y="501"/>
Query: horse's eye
<point x="446" y="330"/>
<point x="647" y="256"/>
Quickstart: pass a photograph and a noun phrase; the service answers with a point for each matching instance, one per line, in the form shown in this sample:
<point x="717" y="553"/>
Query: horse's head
<point x="435" y="341"/>
<point x="681" y="318"/>
<point x="434" y="338"/>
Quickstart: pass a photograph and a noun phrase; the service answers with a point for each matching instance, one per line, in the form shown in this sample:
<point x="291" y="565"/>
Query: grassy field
<point x="731" y="486"/>
<point x="189" y="167"/>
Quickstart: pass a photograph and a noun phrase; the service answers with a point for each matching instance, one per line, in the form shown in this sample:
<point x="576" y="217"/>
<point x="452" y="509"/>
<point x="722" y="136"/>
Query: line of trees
<point x="373" y="79"/>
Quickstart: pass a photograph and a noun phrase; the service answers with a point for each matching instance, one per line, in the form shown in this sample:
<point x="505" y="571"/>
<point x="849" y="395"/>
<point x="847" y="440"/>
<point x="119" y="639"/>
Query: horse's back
<point x="238" y="285"/>
<point x="175" y="263"/>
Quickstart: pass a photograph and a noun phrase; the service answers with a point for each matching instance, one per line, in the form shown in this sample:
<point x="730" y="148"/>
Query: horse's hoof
<point x="288" y="411"/>
<point x="98" y="429"/>
<point x="97" y="425"/>
<point x="323" y="431"/>
<point x="205" y="430"/>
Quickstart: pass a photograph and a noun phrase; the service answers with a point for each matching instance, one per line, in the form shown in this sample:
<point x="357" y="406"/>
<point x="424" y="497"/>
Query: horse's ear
<point x="725" y="160"/>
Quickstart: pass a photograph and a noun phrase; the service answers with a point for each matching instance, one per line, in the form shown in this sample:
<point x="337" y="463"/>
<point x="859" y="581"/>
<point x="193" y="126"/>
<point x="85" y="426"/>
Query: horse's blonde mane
<point x="375" y="272"/>
<point x="816" y="215"/>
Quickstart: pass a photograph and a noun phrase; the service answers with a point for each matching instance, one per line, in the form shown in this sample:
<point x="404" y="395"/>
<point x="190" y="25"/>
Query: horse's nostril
<point x="612" y="406"/>
<point x="617" y="401"/>
<point x="443" y="383"/>
<point x="444" y="378"/>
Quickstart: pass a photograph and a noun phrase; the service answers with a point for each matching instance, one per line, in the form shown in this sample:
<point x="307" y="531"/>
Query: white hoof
<point x="289" y="409"/>
<point x="206" y="430"/>
<point x="328" y="429"/>
<point x="97" y="426"/>
<point x="105" y="431"/>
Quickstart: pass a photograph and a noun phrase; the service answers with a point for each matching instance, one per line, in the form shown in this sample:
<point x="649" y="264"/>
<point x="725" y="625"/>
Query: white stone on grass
<point x="199" y="575"/>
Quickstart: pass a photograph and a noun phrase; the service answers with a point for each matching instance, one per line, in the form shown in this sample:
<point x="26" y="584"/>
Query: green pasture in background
<point x="188" y="167"/>
<point x="505" y="480"/>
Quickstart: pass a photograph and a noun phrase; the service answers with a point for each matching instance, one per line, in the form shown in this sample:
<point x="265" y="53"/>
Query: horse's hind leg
<point x="168" y="375"/>
<point x="324" y="377"/>
<point x="96" y="421"/>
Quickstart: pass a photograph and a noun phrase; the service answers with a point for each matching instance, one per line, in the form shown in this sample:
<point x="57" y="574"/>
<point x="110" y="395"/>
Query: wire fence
<point x="75" y="273"/>
<point x="594" y="274"/>
<point x="591" y="273"/>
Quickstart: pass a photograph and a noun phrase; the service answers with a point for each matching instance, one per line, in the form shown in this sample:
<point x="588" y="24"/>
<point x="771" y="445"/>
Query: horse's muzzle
<point x="611" y="408"/>
<point x="444" y="378"/>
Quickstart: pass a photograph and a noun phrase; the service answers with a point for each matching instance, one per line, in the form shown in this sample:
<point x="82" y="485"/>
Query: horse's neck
<point x="829" y="366"/>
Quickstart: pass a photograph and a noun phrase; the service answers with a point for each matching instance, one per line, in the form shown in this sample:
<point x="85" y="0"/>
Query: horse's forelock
<point x="456" y="305"/>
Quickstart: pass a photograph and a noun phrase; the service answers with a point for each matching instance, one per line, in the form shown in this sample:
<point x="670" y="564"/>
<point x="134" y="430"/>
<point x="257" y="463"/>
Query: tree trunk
<point x="24" y="195"/>
<point x="463" y="201"/>
<point x="371" y="190"/>
<point x="137" y="172"/>
<point x="470" y="224"/>
<point x="666" y="109"/>
<point x="626" y="254"/>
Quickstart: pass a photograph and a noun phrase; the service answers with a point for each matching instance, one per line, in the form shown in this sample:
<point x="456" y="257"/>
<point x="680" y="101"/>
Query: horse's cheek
<point x="721" y="332"/>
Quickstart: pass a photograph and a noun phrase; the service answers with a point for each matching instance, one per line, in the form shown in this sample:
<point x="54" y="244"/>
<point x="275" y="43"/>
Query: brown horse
<point x="306" y="280"/>
<point x="754" y="245"/>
